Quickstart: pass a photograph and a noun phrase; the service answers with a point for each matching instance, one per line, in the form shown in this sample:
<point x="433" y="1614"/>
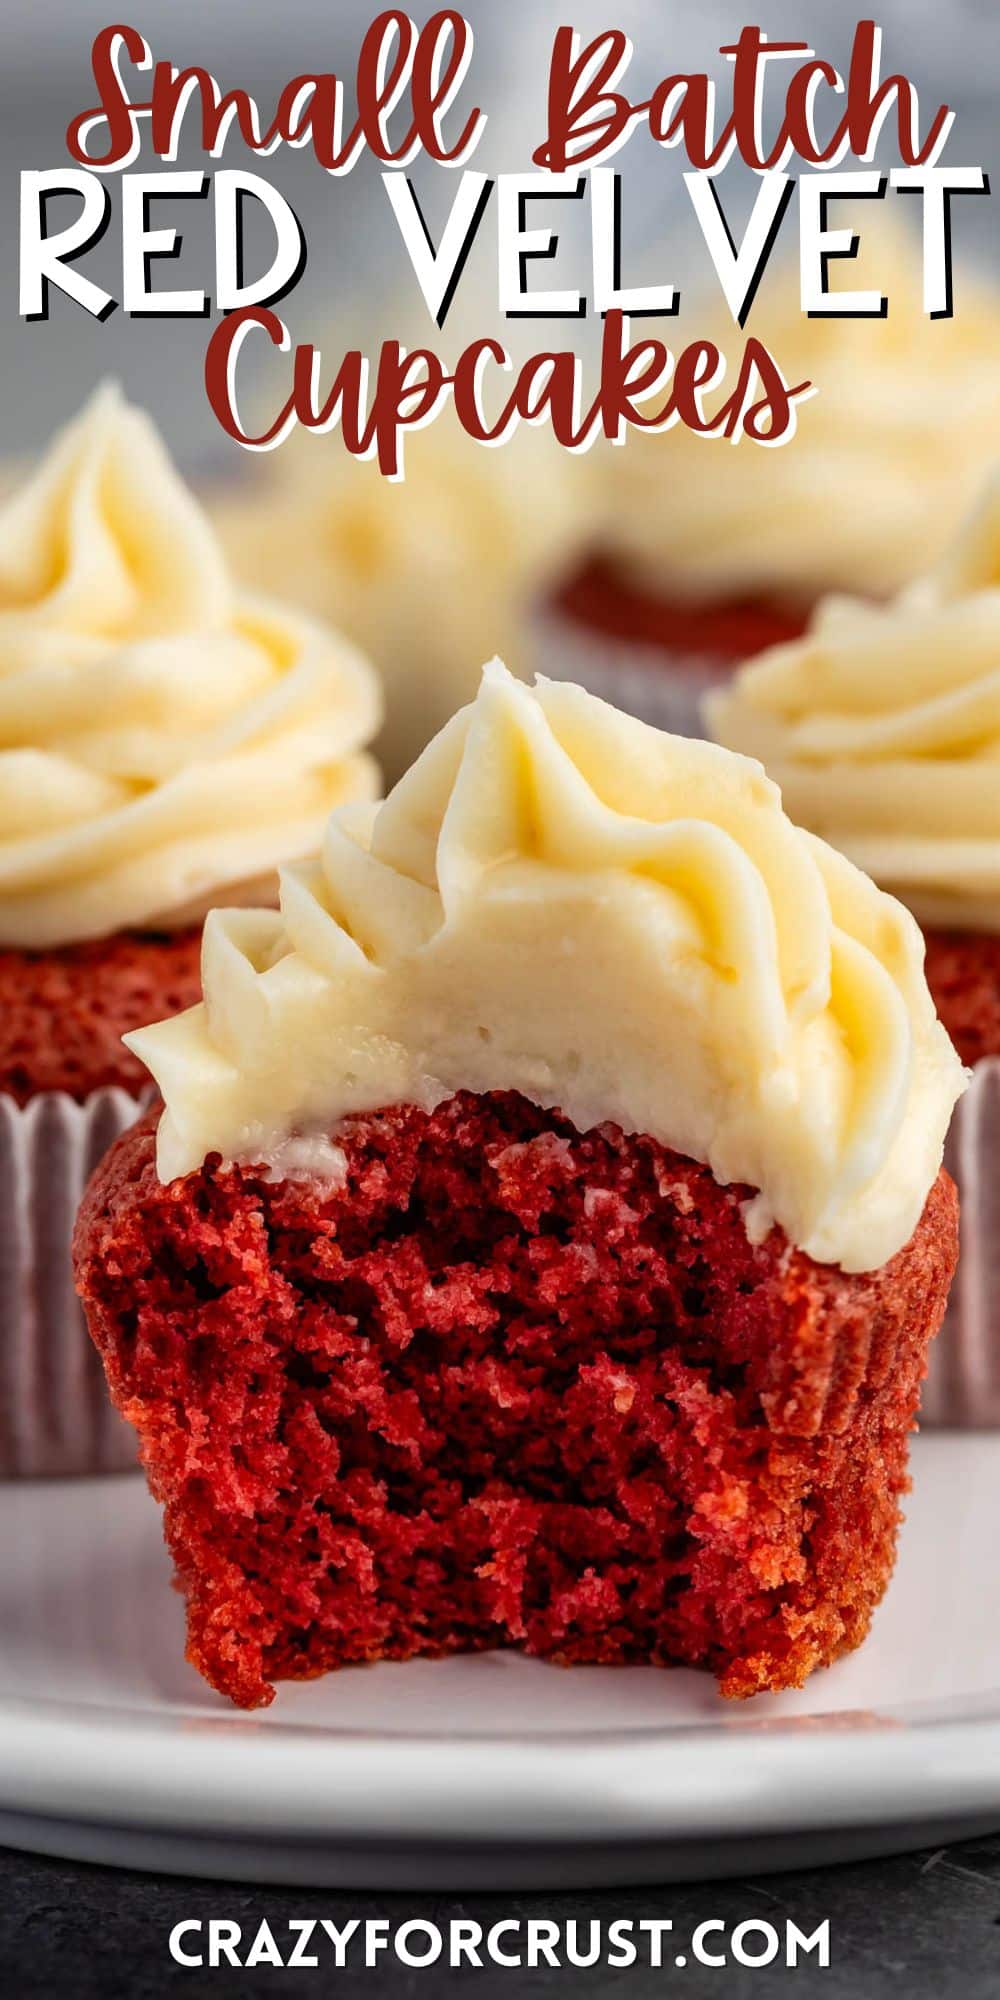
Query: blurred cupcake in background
<point x="143" y="703"/>
<point x="430" y="575"/>
<point x="882" y="727"/>
<point x="708" y="552"/>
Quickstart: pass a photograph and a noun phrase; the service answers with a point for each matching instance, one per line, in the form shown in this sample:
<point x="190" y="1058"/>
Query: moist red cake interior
<point x="963" y="973"/>
<point x="63" y="1012"/>
<point x="722" y="632"/>
<point x="509" y="1384"/>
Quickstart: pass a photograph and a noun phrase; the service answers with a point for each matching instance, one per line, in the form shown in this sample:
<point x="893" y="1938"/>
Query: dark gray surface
<point x="922" y="1924"/>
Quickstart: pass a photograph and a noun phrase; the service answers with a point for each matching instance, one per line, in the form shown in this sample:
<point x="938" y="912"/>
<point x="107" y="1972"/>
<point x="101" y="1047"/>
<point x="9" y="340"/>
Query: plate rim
<point x="722" y="1773"/>
<point x="691" y="1783"/>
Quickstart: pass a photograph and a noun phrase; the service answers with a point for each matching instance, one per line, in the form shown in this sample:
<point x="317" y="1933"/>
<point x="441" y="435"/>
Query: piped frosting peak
<point x="164" y="739"/>
<point x="882" y="727"/>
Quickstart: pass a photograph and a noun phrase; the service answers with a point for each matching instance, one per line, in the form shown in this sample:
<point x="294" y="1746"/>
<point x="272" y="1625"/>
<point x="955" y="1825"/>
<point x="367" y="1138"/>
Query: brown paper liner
<point x="660" y="687"/>
<point x="963" y="1383"/>
<point x="55" y="1416"/>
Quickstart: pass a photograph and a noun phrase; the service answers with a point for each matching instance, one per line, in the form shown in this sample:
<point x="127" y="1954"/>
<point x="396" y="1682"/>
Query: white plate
<point x="492" y="1770"/>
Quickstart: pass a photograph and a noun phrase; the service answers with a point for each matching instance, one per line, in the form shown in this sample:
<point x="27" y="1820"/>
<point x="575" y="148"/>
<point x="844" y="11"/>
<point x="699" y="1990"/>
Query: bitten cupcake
<point x="544" y="1232"/>
<point x="882" y="727"/>
<point x="165" y="742"/>
<point x="708" y="552"/>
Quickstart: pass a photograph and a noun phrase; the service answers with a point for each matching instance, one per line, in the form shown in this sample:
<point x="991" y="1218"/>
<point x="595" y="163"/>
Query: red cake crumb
<point x="599" y="596"/>
<point x="63" y="1012"/>
<point x="508" y="1385"/>
<point x="963" y="973"/>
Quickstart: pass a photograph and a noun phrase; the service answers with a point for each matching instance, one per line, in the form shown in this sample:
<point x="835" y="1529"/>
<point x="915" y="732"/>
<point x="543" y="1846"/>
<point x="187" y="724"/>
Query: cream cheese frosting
<point x="165" y="740"/>
<point x="559" y="900"/>
<point x="893" y="448"/>
<point x="882" y="727"/>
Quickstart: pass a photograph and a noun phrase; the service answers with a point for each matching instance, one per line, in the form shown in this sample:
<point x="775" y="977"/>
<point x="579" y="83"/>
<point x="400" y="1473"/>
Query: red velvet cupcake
<point x="963" y="973"/>
<point x="711" y="550"/>
<point x="658" y="654"/>
<point x="142" y="701"/>
<point x="544" y="1232"/>
<point x="882" y="728"/>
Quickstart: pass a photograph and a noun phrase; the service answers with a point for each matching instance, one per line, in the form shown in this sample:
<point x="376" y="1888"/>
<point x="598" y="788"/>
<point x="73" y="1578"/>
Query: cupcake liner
<point x="660" y="687"/>
<point x="963" y="1385"/>
<point x="55" y="1416"/>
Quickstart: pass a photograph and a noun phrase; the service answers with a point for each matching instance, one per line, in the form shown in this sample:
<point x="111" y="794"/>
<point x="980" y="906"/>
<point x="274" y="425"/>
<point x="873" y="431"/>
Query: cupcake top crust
<point x="882" y="728"/>
<point x="892" y="449"/>
<point x="165" y="741"/>
<point x="561" y="901"/>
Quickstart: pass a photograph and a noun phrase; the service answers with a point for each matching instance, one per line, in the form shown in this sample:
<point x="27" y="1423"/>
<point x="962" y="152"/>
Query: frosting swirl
<point x="893" y="448"/>
<point x="559" y="900"/>
<point x="476" y="533"/>
<point x="163" y="740"/>
<point x="882" y="727"/>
